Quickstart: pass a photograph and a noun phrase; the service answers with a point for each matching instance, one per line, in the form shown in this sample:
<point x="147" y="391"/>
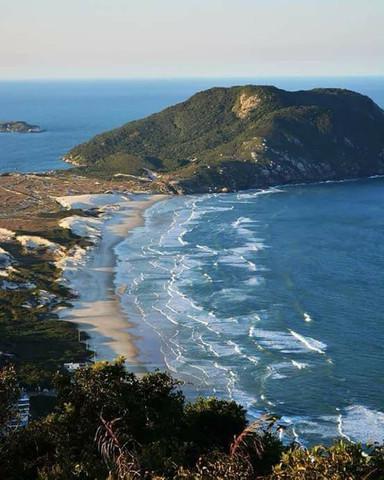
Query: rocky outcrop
<point x="19" y="127"/>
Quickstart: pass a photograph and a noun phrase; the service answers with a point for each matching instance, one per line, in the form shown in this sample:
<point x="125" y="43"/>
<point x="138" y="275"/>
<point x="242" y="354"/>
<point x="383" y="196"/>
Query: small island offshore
<point x="96" y="420"/>
<point x="19" y="127"/>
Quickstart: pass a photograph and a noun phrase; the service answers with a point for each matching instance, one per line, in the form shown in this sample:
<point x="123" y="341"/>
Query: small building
<point x="72" y="366"/>
<point x="22" y="413"/>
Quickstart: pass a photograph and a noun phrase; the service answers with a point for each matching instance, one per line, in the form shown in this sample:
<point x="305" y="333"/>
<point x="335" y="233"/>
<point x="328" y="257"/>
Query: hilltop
<point x="226" y="139"/>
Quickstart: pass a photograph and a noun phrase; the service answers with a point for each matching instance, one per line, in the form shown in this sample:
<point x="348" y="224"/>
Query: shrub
<point x="342" y="461"/>
<point x="258" y="446"/>
<point x="217" y="467"/>
<point x="212" y="424"/>
<point x="9" y="393"/>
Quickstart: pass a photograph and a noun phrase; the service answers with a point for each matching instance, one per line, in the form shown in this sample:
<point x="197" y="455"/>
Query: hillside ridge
<point x="226" y="139"/>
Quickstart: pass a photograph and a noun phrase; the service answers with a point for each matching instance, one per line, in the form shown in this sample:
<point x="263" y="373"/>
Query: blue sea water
<point x="273" y="298"/>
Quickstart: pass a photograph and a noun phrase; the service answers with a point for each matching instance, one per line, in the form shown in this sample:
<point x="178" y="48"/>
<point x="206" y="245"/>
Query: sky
<point x="190" y="38"/>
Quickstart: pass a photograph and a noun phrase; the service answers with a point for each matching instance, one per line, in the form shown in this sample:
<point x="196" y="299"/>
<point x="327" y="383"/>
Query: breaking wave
<point x="219" y="293"/>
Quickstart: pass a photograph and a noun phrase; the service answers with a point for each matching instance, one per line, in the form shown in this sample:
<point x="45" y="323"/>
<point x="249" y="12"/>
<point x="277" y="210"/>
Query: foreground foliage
<point x="108" y="424"/>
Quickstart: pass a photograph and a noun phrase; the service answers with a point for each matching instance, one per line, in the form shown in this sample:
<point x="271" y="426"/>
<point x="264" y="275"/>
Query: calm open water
<point x="273" y="298"/>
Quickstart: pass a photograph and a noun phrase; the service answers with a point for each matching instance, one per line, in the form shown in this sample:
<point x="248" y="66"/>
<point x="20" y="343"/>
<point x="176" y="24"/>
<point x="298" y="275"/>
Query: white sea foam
<point x="254" y="281"/>
<point x="181" y="237"/>
<point x="238" y="261"/>
<point x="291" y="342"/>
<point x="310" y="343"/>
<point x="230" y="295"/>
<point x="360" y="423"/>
<point x="239" y="351"/>
<point x="250" y="247"/>
<point x="265" y="399"/>
<point x="278" y="371"/>
<point x="207" y="249"/>
<point x="252" y="195"/>
<point x="166" y="315"/>
<point x="299" y="365"/>
<point x="241" y="221"/>
<point x="275" y="340"/>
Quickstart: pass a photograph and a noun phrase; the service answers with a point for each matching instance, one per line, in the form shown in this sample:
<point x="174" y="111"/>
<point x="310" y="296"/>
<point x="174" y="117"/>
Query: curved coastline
<point x="97" y="310"/>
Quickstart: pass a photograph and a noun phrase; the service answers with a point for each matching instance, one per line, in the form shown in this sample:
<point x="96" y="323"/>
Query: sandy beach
<point x="97" y="309"/>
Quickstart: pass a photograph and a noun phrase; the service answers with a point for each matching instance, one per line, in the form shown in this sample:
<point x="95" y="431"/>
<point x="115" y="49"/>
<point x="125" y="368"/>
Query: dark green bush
<point x="212" y="424"/>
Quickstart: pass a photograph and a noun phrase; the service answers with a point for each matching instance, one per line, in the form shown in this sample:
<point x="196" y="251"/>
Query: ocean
<point x="272" y="298"/>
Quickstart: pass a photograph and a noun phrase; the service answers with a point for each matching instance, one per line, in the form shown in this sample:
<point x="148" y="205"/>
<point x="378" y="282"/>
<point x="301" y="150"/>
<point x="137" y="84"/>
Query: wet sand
<point x="97" y="310"/>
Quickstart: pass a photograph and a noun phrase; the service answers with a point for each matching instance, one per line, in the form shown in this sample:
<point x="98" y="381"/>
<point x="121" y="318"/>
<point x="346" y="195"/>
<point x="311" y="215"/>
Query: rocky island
<point x="19" y="127"/>
<point x="227" y="139"/>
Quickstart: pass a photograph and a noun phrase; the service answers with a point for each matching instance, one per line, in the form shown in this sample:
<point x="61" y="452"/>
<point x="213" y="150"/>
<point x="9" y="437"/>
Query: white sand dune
<point x="33" y="242"/>
<point x="89" y="227"/>
<point x="90" y="201"/>
<point x="6" y="235"/>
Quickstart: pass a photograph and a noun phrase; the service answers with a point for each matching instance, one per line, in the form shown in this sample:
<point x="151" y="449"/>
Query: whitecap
<point x="241" y="221"/>
<point x="254" y="281"/>
<point x="360" y="423"/>
<point x="310" y="343"/>
<point x="299" y="365"/>
<point x="207" y="249"/>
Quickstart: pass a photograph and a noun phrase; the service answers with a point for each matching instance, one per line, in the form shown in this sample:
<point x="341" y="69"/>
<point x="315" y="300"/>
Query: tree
<point x="149" y="413"/>
<point x="212" y="424"/>
<point x="9" y="394"/>
<point x="109" y="423"/>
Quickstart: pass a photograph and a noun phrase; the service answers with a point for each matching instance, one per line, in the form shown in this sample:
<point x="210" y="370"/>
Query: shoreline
<point x="97" y="310"/>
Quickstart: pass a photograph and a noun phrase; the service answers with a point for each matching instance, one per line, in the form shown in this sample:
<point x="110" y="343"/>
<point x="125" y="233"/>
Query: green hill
<point x="226" y="139"/>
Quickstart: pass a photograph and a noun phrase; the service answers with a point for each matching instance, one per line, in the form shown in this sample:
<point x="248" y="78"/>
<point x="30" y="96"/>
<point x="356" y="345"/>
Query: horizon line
<point x="187" y="77"/>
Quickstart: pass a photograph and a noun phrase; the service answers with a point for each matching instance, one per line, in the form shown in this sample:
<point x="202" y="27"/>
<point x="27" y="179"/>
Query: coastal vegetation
<point x="109" y="424"/>
<point x="226" y="139"/>
<point x="29" y="296"/>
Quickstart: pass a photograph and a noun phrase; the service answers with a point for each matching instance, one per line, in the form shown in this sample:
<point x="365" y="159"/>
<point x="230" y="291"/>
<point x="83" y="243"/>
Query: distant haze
<point x="176" y="38"/>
